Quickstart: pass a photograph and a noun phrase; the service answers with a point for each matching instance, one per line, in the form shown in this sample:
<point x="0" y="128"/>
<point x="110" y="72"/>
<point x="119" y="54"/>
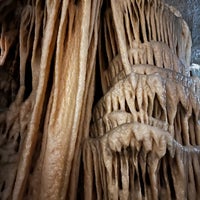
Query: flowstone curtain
<point x="47" y="82"/>
<point x="144" y="136"/>
<point x="97" y="101"/>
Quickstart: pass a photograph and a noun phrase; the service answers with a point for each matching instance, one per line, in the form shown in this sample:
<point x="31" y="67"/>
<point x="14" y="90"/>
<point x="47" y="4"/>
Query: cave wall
<point x="47" y="75"/>
<point x="142" y="145"/>
<point x="190" y="10"/>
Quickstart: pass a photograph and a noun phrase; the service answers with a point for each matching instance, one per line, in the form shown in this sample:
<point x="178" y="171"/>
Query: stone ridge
<point x="144" y="135"/>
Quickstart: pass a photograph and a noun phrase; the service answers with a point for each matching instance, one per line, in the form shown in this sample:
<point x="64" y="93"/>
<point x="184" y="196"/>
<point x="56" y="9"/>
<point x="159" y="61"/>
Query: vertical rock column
<point x="145" y="131"/>
<point x="51" y="47"/>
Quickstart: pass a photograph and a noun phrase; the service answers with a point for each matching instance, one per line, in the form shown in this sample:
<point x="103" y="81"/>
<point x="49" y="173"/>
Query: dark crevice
<point x="103" y="54"/>
<point x="161" y="171"/>
<point x="141" y="34"/>
<point x="113" y="172"/>
<point x="177" y="50"/>
<point x="135" y="177"/>
<point x="27" y="190"/>
<point x="98" y="93"/>
<point x="3" y="128"/>
<point x="158" y="112"/>
<point x="171" y="183"/>
<point x="147" y="30"/>
<point x="127" y="109"/>
<point x="131" y="171"/>
<point x="149" y="108"/>
<point x="8" y="131"/>
<point x="178" y="124"/>
<point x="154" y="59"/>
<point x="80" y="191"/>
<point x="142" y="186"/>
<point x="94" y="191"/>
<point x="147" y="178"/>
<point x="9" y="72"/>
<point x="119" y="175"/>
<point x="28" y="79"/>
<point x="3" y="186"/>
<point x="76" y="2"/>
<point x="136" y="104"/>
<point x="192" y="128"/>
<point x="17" y="145"/>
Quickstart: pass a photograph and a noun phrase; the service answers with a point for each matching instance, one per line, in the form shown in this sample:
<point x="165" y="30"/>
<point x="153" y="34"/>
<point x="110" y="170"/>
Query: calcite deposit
<point x="47" y="68"/>
<point x="145" y="131"/>
<point x="140" y="140"/>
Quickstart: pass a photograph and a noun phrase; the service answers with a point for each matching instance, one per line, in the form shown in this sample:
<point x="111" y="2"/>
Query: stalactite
<point x="145" y="129"/>
<point x="47" y="114"/>
<point x="140" y="140"/>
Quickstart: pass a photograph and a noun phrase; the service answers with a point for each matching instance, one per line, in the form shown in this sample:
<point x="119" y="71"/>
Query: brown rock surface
<point x="142" y="140"/>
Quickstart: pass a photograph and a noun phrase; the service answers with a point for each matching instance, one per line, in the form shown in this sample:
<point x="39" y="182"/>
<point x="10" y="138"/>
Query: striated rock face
<point x="47" y="59"/>
<point x="190" y="10"/>
<point x="145" y="131"/>
<point x="142" y="140"/>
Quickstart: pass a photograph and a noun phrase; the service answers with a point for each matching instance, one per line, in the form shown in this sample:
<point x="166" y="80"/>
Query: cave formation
<point x="97" y="101"/>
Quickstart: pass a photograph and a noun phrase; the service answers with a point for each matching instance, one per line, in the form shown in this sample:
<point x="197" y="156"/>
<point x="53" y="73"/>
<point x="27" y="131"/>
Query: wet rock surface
<point x="142" y="140"/>
<point x="144" y="136"/>
<point x="190" y="10"/>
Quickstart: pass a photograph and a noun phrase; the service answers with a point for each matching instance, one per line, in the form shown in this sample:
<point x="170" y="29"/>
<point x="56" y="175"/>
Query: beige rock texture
<point x="140" y="140"/>
<point x="48" y="58"/>
<point x="144" y="136"/>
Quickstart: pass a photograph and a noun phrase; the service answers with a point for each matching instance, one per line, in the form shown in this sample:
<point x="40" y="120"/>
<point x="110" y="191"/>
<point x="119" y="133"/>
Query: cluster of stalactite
<point x="144" y="136"/>
<point x="142" y="140"/>
<point x="47" y="65"/>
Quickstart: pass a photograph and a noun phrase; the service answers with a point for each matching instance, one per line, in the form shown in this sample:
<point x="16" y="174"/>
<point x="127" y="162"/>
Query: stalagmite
<point x="141" y="140"/>
<point x="144" y="136"/>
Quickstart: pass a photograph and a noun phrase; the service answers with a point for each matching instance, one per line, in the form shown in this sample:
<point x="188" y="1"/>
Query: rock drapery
<point x="42" y="128"/>
<point x="144" y="135"/>
<point x="142" y="140"/>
